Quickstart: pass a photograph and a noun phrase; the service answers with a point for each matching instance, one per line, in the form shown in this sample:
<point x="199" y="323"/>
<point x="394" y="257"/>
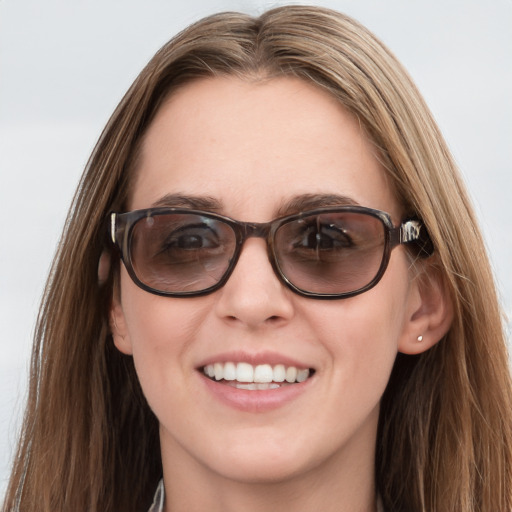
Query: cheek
<point x="154" y="322"/>
<point x="362" y="333"/>
<point x="161" y="331"/>
<point x="362" y="347"/>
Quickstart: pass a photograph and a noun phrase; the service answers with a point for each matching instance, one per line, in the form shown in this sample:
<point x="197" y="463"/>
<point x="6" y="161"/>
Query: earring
<point x="420" y="338"/>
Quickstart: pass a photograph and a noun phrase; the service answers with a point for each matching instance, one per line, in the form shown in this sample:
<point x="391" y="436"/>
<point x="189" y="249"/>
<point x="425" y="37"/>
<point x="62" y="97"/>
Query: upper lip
<point x="256" y="358"/>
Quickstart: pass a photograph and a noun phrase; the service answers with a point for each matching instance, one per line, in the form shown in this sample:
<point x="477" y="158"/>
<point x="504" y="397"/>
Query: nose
<point x="253" y="295"/>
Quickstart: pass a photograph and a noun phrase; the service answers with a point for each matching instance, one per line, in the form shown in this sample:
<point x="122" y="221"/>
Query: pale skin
<point x="253" y="146"/>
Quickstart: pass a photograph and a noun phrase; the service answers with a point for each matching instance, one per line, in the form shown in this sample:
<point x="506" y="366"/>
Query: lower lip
<point x="256" y="400"/>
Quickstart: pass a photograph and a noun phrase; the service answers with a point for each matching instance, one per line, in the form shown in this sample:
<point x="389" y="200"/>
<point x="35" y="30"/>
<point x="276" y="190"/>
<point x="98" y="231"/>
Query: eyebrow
<point x="185" y="201"/>
<point x="297" y="204"/>
<point x="305" y="202"/>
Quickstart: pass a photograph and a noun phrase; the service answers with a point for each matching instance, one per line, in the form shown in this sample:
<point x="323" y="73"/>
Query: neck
<point x="280" y="496"/>
<point x="343" y="483"/>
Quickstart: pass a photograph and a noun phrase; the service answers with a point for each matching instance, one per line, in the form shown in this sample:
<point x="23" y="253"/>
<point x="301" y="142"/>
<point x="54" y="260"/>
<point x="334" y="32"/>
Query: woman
<point x="270" y="293"/>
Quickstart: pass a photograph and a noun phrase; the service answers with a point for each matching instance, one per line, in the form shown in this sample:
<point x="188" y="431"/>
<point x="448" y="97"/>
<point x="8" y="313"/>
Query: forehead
<point x="251" y="145"/>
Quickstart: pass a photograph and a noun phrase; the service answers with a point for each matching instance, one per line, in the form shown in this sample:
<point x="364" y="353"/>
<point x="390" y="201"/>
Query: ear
<point x="118" y="326"/>
<point x="429" y="314"/>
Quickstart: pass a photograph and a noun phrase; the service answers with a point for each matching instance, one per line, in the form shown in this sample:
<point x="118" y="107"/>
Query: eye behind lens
<point x="181" y="253"/>
<point x="333" y="253"/>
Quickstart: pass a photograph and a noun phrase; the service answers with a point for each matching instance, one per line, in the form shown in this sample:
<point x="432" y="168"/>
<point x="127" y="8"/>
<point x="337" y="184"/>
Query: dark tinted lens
<point x="331" y="253"/>
<point x="181" y="252"/>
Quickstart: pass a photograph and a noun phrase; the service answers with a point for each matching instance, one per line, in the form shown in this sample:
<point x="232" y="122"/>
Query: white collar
<point x="158" y="500"/>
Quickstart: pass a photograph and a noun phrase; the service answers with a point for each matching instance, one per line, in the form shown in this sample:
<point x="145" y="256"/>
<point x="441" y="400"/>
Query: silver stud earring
<point x="420" y="338"/>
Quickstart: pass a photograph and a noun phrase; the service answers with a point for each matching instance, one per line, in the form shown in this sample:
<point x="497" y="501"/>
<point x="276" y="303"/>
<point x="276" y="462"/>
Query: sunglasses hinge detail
<point x="113" y="227"/>
<point x="410" y="231"/>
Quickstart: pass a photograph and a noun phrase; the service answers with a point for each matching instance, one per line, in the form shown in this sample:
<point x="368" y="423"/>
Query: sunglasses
<point x="326" y="253"/>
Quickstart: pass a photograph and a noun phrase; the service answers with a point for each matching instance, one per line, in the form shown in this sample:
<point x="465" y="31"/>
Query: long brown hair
<point x="89" y="439"/>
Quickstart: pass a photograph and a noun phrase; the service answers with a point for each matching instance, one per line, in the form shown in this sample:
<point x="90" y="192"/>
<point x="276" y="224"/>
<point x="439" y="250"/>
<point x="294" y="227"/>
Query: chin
<point x="265" y="462"/>
<point x="261" y="472"/>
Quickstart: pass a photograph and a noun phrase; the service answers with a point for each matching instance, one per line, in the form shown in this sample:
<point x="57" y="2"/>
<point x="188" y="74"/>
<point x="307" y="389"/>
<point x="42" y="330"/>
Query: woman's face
<point x="249" y="150"/>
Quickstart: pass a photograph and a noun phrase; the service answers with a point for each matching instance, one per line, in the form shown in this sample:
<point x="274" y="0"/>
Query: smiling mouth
<point x="258" y="377"/>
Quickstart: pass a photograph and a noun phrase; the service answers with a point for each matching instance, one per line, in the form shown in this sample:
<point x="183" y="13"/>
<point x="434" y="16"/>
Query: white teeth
<point x="218" y="368"/>
<point x="263" y="373"/>
<point x="302" y="375"/>
<point x="291" y="374"/>
<point x="252" y="386"/>
<point x="229" y="371"/>
<point x="279" y="373"/>
<point x="262" y="376"/>
<point x="244" y="372"/>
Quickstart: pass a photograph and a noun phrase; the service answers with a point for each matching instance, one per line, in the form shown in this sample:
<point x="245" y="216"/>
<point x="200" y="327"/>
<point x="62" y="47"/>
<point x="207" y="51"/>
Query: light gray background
<point x="65" y="64"/>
